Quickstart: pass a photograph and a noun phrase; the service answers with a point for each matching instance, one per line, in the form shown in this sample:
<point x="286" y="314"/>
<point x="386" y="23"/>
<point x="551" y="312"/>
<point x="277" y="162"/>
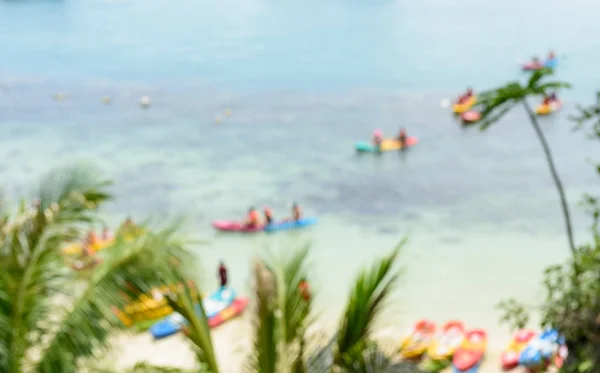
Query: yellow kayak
<point x="150" y="306"/>
<point x="449" y="339"/>
<point x="461" y="108"/>
<point x="418" y="340"/>
<point x="545" y="109"/>
<point x="76" y="247"/>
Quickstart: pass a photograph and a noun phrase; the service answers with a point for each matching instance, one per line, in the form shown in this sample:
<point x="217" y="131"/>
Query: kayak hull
<point x="541" y="349"/>
<point x="386" y="145"/>
<point x="510" y="356"/>
<point x="418" y="340"/>
<point x="235" y="309"/>
<point x="290" y="224"/>
<point x="172" y="324"/>
<point x="450" y="338"/>
<point x="234" y="226"/>
<point x="545" y="109"/>
<point x="471" y="116"/>
<point x="461" y="108"/>
<point x="471" y="353"/>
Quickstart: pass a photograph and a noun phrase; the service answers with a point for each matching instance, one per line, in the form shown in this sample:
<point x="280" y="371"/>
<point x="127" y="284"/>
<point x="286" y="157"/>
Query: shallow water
<point x="304" y="81"/>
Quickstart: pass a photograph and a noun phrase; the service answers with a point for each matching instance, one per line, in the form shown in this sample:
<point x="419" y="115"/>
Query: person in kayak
<point x="377" y="138"/>
<point x="253" y="219"/>
<point x="462" y="99"/>
<point x="296" y="212"/>
<point x="268" y="215"/>
<point x="551" y="56"/>
<point x="550" y="99"/>
<point x="402" y="137"/>
<point x="536" y="62"/>
<point x="222" y="274"/>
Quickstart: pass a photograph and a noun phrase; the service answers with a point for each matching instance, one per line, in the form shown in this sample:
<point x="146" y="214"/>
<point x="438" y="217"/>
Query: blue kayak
<point x="551" y="63"/>
<point x="214" y="304"/>
<point x="540" y="349"/>
<point x="290" y="224"/>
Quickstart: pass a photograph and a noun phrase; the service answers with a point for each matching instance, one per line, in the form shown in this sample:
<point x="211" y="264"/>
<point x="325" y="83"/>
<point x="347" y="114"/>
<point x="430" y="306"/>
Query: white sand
<point x="233" y="341"/>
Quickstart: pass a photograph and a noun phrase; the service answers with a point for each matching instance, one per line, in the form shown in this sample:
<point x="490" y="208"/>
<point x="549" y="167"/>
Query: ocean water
<point x="304" y="81"/>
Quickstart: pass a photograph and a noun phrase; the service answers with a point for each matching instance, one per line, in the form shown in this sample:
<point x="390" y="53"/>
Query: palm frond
<point x="197" y="329"/>
<point x="264" y="357"/>
<point x="147" y="261"/>
<point x="30" y="263"/>
<point x="144" y="367"/>
<point x="374" y="359"/>
<point x="372" y="288"/>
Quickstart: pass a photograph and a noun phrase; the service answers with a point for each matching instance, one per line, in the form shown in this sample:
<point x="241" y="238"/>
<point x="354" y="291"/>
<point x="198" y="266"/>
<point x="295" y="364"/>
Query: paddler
<point x="268" y="215"/>
<point x="466" y="96"/>
<point x="296" y="212"/>
<point x="402" y="137"/>
<point x="377" y="138"/>
<point x="551" y="56"/>
<point x="536" y="62"/>
<point x="253" y="219"/>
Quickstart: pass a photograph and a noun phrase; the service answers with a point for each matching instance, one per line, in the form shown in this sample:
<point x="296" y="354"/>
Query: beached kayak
<point x="217" y="302"/>
<point x="386" y="145"/>
<point x="545" y="109"/>
<point x="469" y="355"/>
<point x="234" y="226"/>
<point x="235" y="309"/>
<point x="471" y="116"/>
<point x="461" y="108"/>
<point x="418" y="340"/>
<point x="540" y="349"/>
<point x="290" y="224"/>
<point x="510" y="356"/>
<point x="76" y="247"/>
<point x="450" y="338"/>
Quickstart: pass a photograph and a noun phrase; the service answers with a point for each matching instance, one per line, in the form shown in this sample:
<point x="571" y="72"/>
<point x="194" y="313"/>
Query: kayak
<point x="470" y="353"/>
<point x="290" y="224"/>
<point x="235" y="309"/>
<point x="76" y="247"/>
<point x="449" y="339"/>
<point x="471" y="116"/>
<point x="217" y="302"/>
<point x="150" y="306"/>
<point x="530" y="66"/>
<point x="233" y="226"/>
<point x="541" y="349"/>
<point x="418" y="340"/>
<point x="461" y="108"/>
<point x="386" y="145"/>
<point x="545" y="109"/>
<point x="510" y="356"/>
<point x="561" y="356"/>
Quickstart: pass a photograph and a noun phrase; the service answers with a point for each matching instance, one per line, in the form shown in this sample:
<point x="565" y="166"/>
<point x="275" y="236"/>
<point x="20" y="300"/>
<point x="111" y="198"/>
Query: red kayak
<point x="471" y="116"/>
<point x="235" y="309"/>
<point x="532" y="66"/>
<point x="470" y="354"/>
<point x="510" y="356"/>
<point x="234" y="226"/>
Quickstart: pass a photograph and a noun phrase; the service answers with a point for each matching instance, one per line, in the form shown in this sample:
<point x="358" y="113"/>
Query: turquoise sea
<point x="304" y="80"/>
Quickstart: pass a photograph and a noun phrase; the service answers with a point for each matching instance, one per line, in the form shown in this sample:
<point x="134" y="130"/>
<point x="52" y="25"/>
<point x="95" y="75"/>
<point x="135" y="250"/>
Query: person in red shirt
<point x="253" y="219"/>
<point x="222" y="274"/>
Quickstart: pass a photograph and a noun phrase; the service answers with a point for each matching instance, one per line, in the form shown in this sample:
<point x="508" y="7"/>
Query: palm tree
<point x="49" y="320"/>
<point x="282" y="315"/>
<point x="497" y="102"/>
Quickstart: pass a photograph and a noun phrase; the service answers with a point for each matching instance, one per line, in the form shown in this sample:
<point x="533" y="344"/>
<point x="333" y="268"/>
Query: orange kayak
<point x="470" y="354"/>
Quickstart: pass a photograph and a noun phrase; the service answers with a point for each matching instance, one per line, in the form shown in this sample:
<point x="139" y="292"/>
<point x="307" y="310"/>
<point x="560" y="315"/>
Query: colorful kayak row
<point x="386" y="145"/>
<point x="531" y="351"/>
<point x="234" y="226"/>
<point x="464" y="349"/>
<point x="219" y="307"/>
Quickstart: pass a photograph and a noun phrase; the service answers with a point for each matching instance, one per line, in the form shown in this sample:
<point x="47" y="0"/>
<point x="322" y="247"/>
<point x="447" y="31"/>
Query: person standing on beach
<point x="223" y="274"/>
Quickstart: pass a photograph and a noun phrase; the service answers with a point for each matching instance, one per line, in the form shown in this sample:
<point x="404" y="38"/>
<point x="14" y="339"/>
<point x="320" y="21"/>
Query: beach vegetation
<point x="497" y="102"/>
<point x="51" y="319"/>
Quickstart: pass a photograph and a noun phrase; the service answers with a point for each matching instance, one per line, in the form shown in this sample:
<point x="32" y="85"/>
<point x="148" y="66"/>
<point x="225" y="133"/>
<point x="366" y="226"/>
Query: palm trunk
<point x="555" y="177"/>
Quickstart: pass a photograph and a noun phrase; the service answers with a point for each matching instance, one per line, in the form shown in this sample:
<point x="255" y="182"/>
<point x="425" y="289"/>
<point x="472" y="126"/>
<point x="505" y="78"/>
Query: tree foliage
<point x="50" y="320"/>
